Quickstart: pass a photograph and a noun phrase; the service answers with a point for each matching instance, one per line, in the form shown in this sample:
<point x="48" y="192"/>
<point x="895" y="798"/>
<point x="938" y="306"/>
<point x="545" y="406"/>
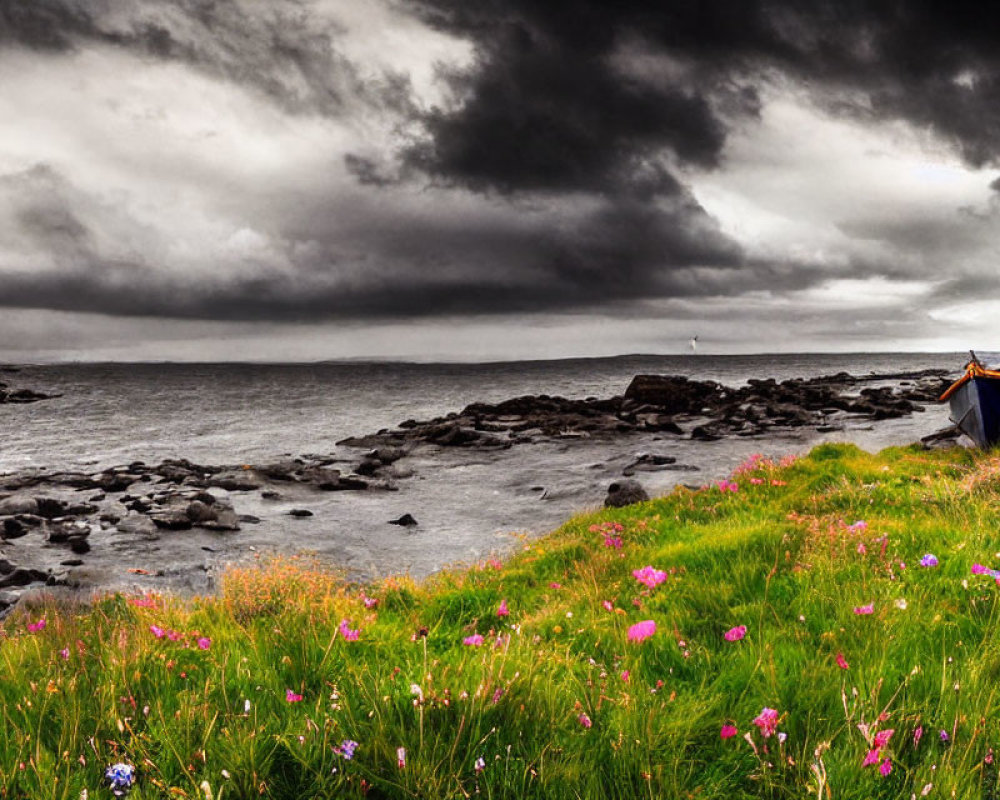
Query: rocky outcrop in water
<point x="673" y="405"/>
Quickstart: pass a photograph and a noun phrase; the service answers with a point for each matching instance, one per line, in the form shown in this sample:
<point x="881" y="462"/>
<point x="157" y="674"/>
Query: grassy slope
<point x="779" y="556"/>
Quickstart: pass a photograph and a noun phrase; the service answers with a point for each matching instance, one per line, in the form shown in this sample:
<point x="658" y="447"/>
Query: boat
<point x="975" y="403"/>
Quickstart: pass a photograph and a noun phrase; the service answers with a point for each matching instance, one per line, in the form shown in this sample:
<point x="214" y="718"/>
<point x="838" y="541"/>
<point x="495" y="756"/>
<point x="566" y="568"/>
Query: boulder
<point x="18" y="505"/>
<point x="407" y="521"/>
<point x="625" y="493"/>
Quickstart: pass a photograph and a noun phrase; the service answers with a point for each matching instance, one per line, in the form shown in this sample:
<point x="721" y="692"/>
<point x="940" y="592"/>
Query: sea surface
<point x="469" y="505"/>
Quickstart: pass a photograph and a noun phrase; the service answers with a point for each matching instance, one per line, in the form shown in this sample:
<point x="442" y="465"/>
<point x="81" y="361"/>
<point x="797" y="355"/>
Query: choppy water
<point x="467" y="504"/>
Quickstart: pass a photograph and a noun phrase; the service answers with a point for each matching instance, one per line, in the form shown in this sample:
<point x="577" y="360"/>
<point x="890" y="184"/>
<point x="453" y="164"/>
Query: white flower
<point x="416" y="690"/>
<point x="901" y="604"/>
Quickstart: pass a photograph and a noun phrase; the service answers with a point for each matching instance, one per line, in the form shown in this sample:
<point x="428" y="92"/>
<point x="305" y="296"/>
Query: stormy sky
<point x="449" y="179"/>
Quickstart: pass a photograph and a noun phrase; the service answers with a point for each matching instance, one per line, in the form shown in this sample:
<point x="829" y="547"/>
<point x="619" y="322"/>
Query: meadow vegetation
<point x="826" y="627"/>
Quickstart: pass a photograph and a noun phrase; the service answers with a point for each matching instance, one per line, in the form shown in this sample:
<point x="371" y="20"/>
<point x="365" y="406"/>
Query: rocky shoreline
<point x="51" y="523"/>
<point x="20" y="396"/>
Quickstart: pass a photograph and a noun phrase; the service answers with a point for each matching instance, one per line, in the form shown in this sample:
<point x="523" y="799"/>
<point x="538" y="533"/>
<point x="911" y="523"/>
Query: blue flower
<point x="120" y="778"/>
<point x="346" y="749"/>
<point x="929" y="560"/>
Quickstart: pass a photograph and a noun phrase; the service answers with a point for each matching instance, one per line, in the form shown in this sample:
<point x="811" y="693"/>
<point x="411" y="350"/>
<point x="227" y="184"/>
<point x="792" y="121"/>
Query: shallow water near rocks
<point x="469" y="504"/>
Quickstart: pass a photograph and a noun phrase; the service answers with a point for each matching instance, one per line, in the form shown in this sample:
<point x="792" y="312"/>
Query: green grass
<point x="782" y="556"/>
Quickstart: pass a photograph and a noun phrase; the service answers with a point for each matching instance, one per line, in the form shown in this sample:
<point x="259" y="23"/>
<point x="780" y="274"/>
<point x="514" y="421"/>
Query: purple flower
<point x="346" y="749"/>
<point x="641" y="630"/>
<point x="473" y="641"/>
<point x="929" y="560"/>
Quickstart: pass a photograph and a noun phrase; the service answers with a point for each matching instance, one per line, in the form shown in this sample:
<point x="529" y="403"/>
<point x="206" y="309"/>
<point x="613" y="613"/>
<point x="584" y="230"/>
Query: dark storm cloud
<point x="584" y="118"/>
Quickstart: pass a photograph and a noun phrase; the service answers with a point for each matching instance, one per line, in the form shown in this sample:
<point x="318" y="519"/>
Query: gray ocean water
<point x="468" y="504"/>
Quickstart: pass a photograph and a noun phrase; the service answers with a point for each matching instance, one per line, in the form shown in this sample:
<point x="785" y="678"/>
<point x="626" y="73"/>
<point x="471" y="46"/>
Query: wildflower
<point x="346" y="749"/>
<point x="416" y="691"/>
<point x="347" y="633"/>
<point x="291" y="697"/>
<point x="917" y="733"/>
<point x="861" y="610"/>
<point x="157" y="631"/>
<point x="401" y="757"/>
<point x="584" y="720"/>
<point x="174" y="636"/>
<point x="929" y="560"/>
<point x="756" y="481"/>
<point x="480" y="764"/>
<point x="727" y="732"/>
<point x="473" y="641"/>
<point x="641" y="630"/>
<point x="204" y="643"/>
<point x="882" y="738"/>
<point x="885" y="768"/>
<point x="35" y="627"/>
<point x="555" y="585"/>
<point x="858" y="527"/>
<point x="782" y="737"/>
<point x="649" y="576"/>
<point x="370" y="602"/>
<point x="870" y="758"/>
<point x="607" y="605"/>
<point x="735" y="634"/>
<point x="943" y="735"/>
<point x="842" y="662"/>
<point x="120" y="778"/>
<point x="625" y="675"/>
<point x="64" y="653"/>
<point x="767" y="721"/>
<point x="901" y="604"/>
<point x="503" y="611"/>
<point x="497" y="694"/>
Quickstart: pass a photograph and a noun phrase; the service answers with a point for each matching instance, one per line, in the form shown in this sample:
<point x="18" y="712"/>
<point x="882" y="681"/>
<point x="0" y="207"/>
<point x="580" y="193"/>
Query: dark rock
<point x="701" y="433"/>
<point x="22" y="576"/>
<point x="171" y="520"/>
<point x="199" y="511"/>
<point x="71" y="562"/>
<point x="226" y="520"/>
<point x="97" y="498"/>
<point x="241" y="481"/>
<point x="50" y="507"/>
<point x="300" y="512"/>
<point x="625" y="493"/>
<point x="249" y="519"/>
<point x="406" y="521"/>
<point x="79" y="546"/>
<point x="13" y="529"/>
<point x="270" y="495"/>
<point x="18" y="505"/>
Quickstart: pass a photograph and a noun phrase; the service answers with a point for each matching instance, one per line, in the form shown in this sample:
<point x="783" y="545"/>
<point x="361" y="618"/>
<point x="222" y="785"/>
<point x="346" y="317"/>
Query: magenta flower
<point x="291" y="697"/>
<point x="174" y="636"/>
<point x="503" y="611"/>
<point x="727" y="486"/>
<point x="607" y="605"/>
<point x="882" y="738"/>
<point x="64" y="653"/>
<point x="735" y="634"/>
<point x="727" y="732"/>
<point x="157" y="631"/>
<point x="625" y="675"/>
<point x="555" y="585"/>
<point x="584" y="720"/>
<point x="917" y="734"/>
<point x="35" y="627"/>
<point x="885" y="768"/>
<point x="347" y="633"/>
<point x="767" y="721"/>
<point x="870" y="758"/>
<point x="371" y="602"/>
<point x="473" y="641"/>
<point x="862" y="610"/>
<point x="929" y="560"/>
<point x="842" y="662"/>
<point x="401" y="757"/>
<point x="204" y="643"/>
<point x="943" y="735"/>
<point x="649" y="576"/>
<point x="641" y="630"/>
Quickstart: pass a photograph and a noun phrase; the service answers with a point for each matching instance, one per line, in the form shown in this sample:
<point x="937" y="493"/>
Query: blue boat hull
<point x="975" y="409"/>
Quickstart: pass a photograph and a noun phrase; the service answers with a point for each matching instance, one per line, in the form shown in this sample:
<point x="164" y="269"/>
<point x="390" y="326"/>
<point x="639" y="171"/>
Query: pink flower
<point x="584" y="720"/>
<point x="35" y="627"/>
<point x="861" y="548"/>
<point x="727" y="486"/>
<point x="607" y="606"/>
<point x="473" y="641"/>
<point x="641" y="630"/>
<point x="767" y="721"/>
<point x="503" y="611"/>
<point x="347" y="633"/>
<point x="64" y="653"/>
<point x="157" y="631"/>
<point x="858" y="527"/>
<point x="401" y="757"/>
<point x="728" y="732"/>
<point x="882" y="738"/>
<point x="842" y="662"/>
<point x="649" y="576"/>
<point x="555" y="585"/>
<point x="870" y="758"/>
<point x="291" y="697"/>
<point x="204" y="643"/>
<point x="735" y="634"/>
<point x="885" y="768"/>
<point x="625" y="675"/>
<point x="756" y="481"/>
<point x="371" y="602"/>
<point x="861" y="610"/>
<point x="174" y="636"/>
